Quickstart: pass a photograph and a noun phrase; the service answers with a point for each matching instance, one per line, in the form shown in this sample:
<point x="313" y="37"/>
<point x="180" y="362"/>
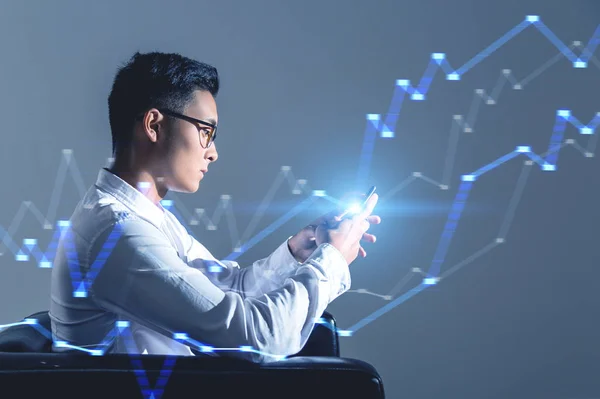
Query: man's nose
<point x="211" y="154"/>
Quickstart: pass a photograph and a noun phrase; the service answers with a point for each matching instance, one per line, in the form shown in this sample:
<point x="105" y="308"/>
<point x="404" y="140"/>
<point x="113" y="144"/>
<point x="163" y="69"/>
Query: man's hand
<point x="303" y="244"/>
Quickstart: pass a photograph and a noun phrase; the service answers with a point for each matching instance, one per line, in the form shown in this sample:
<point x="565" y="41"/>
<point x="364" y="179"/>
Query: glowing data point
<point x="211" y="227"/>
<point x="576" y="43"/>
<point x="467" y="129"/>
<point x="246" y="349"/>
<point x="580" y="64"/>
<point x="499" y="240"/>
<point x="506" y="72"/>
<point x="532" y="18"/>
<point x="523" y="148"/>
<point x="225" y="197"/>
<point x="63" y="223"/>
<point x="45" y="265"/>
<point x="143" y="185"/>
<point x="417" y="96"/>
<point x="517" y="87"/>
<point x="565" y="113"/>
<point x="453" y="76"/>
<point x="21" y="258"/>
<point x="490" y="101"/>
<point x="443" y="187"/>
<point x="438" y="56"/>
<point x="416" y="270"/>
<point x="96" y="352"/>
<point x="528" y="162"/>
<point x="387" y="297"/>
<point x="479" y="92"/>
<point x="344" y="333"/>
<point x="430" y="280"/>
<point x="181" y="336"/>
<point x="205" y="348"/>
<point x="286" y="168"/>
<point x="30" y="322"/>
<point x="361" y="291"/>
<point x="468" y="177"/>
<point x="403" y="83"/>
<point x="122" y="324"/>
<point x="47" y="226"/>
<point x="548" y="167"/>
<point x="373" y="117"/>
<point x="61" y="344"/>
<point x="80" y="293"/>
<point x="586" y="130"/>
<point x="458" y="117"/>
<point x="216" y="269"/>
<point x="29" y="242"/>
<point x="589" y="154"/>
<point x="417" y="174"/>
<point x="319" y="193"/>
<point x="569" y="141"/>
<point x="67" y="151"/>
<point x="386" y="134"/>
<point x="167" y="203"/>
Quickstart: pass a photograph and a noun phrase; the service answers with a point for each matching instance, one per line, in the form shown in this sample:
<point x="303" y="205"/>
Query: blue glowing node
<point x="205" y="348"/>
<point x="453" y="76"/>
<point x="417" y="97"/>
<point x="166" y="203"/>
<point x="438" y="56"/>
<point x="246" y="348"/>
<point x="45" y="265"/>
<point x="181" y="336"/>
<point x="403" y="83"/>
<point x="215" y="269"/>
<point x="373" y="117"/>
<point x="344" y="333"/>
<point x="63" y="223"/>
<point x="96" y="352"/>
<point x="467" y="177"/>
<point x="586" y="130"/>
<point x="548" y="167"/>
<point x="533" y="18"/>
<point x="61" y="344"/>
<point x="29" y="242"/>
<point x="122" y="324"/>
<point x="523" y="148"/>
<point x="21" y="257"/>
<point x="30" y="321"/>
<point x="319" y="193"/>
<point x="430" y="281"/>
<point x="386" y="134"/>
<point x="565" y="113"/>
<point x="580" y="64"/>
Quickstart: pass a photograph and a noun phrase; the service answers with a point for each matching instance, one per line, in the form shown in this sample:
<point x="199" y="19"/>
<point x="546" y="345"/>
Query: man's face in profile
<point x="185" y="159"/>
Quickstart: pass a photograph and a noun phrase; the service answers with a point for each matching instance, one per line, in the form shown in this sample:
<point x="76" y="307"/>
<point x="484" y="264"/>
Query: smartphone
<point x="359" y="207"/>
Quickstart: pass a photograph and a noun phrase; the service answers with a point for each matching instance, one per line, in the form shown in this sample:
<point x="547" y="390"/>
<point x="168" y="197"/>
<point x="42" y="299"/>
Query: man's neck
<point x="138" y="178"/>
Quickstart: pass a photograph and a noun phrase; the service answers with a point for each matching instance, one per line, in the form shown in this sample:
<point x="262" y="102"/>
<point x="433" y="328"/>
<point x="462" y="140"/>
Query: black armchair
<point x="29" y="369"/>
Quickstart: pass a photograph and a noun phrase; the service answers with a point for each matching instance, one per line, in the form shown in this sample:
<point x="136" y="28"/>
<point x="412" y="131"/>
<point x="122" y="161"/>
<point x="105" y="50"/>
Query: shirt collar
<point x="131" y="197"/>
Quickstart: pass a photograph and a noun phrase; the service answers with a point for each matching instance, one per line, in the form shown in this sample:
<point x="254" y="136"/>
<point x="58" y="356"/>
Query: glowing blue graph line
<point x="440" y="61"/>
<point x="563" y="118"/>
<point x="272" y="227"/>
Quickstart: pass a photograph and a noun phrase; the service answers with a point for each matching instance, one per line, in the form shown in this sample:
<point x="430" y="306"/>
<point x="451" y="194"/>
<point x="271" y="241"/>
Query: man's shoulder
<point x="98" y="212"/>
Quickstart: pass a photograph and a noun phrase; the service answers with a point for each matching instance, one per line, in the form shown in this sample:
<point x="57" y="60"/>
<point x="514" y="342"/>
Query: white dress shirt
<point x="136" y="263"/>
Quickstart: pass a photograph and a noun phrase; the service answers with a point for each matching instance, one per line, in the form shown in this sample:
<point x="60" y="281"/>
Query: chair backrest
<point x="28" y="337"/>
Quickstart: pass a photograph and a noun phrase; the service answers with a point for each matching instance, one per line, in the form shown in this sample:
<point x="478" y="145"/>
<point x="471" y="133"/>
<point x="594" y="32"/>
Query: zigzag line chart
<point x="547" y="162"/>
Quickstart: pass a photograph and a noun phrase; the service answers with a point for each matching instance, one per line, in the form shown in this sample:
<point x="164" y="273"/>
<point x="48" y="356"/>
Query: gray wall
<point x="298" y="78"/>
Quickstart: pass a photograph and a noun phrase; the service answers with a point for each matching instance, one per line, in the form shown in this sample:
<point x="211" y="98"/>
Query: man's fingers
<point x="369" y="238"/>
<point x="374" y="219"/>
<point x="362" y="252"/>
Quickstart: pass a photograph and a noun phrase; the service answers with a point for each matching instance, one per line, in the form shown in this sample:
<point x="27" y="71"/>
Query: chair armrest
<point x="62" y="375"/>
<point x="324" y="339"/>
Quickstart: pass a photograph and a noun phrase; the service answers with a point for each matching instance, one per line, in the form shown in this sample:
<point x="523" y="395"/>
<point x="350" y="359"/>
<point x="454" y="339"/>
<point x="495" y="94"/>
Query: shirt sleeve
<point x="144" y="280"/>
<point x="254" y="280"/>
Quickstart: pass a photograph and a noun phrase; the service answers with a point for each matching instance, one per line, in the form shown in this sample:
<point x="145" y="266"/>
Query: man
<point x="124" y="257"/>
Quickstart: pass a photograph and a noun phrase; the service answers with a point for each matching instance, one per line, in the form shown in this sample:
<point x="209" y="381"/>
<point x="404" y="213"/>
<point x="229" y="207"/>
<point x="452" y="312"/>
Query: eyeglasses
<point x="206" y="130"/>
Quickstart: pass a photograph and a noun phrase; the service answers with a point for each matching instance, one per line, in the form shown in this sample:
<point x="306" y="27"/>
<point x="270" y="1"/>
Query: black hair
<point x="154" y="80"/>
